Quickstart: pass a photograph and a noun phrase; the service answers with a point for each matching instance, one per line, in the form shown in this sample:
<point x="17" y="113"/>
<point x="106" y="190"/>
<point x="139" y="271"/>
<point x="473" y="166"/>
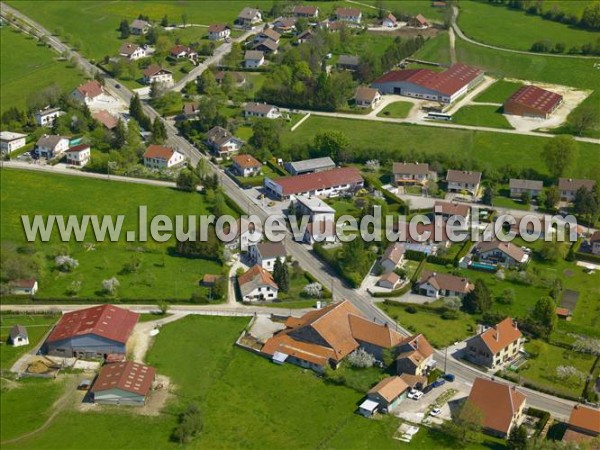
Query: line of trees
<point x="589" y="19"/>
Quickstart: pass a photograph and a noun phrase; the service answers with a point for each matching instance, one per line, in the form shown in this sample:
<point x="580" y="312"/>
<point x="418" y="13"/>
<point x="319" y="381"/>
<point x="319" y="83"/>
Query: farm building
<point x="388" y="393"/>
<point x="444" y="87"/>
<point x="91" y="332"/>
<point x="17" y="336"/>
<point x="126" y="383"/>
<point x="327" y="183"/>
<point x="10" y="141"/>
<point x="309" y="165"/>
<point x="532" y="101"/>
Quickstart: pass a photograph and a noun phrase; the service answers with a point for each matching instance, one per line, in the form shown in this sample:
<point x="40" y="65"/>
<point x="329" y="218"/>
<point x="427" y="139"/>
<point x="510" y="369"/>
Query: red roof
<point x="106" y="119"/>
<point x="501" y="335"/>
<point x="91" y="89"/>
<point x="246" y="161"/>
<point x="25" y="284"/>
<point x="158" y="152"/>
<point x="447" y="82"/>
<point x="535" y="98"/>
<point x="128" y="376"/>
<point x="108" y="321"/>
<point x="319" y="180"/>
<point x="78" y="148"/>
<point x="586" y="418"/>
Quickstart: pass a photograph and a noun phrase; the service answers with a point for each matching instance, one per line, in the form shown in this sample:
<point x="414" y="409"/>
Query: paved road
<point x="308" y="261"/>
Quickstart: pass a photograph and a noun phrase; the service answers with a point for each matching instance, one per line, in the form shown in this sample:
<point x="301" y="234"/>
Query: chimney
<point x="497" y="335"/>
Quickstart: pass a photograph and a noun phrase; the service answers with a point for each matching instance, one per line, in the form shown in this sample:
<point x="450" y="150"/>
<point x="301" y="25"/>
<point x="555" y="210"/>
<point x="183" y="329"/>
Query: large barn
<point x="126" y="383"/>
<point x="444" y="87"/>
<point x="91" y="332"/>
<point x="532" y="101"/>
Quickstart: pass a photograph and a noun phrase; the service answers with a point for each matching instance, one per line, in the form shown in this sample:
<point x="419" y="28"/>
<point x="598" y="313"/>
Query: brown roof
<point x="256" y="276"/>
<point x="128" y="48"/>
<point x="508" y="248"/>
<point x="271" y="250"/>
<point x="390" y="277"/>
<point x="217" y="28"/>
<point x="447" y="82"/>
<point x="570" y="184"/>
<point x="285" y="22"/>
<point x="394" y="252"/>
<point x="253" y="54"/>
<point x="413" y="380"/>
<point x="410" y="168"/>
<point x="517" y="183"/>
<point x="365" y="330"/>
<point x="500" y="335"/>
<point x="248" y="13"/>
<point x="416" y="348"/>
<point x="190" y="108"/>
<point x="595" y="237"/>
<point x="159" y="152"/>
<point x="128" y="376"/>
<point x="586" y="418"/>
<point x="181" y="49"/>
<point x="446" y="281"/>
<point x="210" y="279"/>
<point x="535" y="98"/>
<point x="498" y="403"/>
<point x="153" y="69"/>
<point x="260" y="108"/>
<point x="389" y="388"/>
<point x="139" y="24"/>
<point x="365" y="94"/>
<point x="108" y="321"/>
<point x="91" y="89"/>
<point x="246" y="161"/>
<point x="309" y="10"/>
<point x="347" y="12"/>
<point x="391" y="18"/>
<point x="269" y="44"/>
<point x="586" y="440"/>
<point x="24" y="284"/>
<point x="271" y="34"/>
<point x="463" y="176"/>
<point x="563" y="312"/>
<point x="451" y="208"/>
<point x="106" y="119"/>
<point x="318" y="180"/>
<point x="422" y="20"/>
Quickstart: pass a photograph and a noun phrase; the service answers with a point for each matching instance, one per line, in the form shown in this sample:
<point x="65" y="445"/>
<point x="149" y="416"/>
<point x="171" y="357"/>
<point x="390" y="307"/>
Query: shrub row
<point x="544" y="417"/>
<point x="275" y="168"/>
<point x="375" y="183"/>
<point x="589" y="391"/>
<point x="462" y="252"/>
<point x="396" y="293"/>
<point x="335" y="264"/>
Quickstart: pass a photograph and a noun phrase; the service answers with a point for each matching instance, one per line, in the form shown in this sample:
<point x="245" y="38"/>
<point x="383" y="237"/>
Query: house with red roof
<point x="414" y="356"/>
<point x="218" y="32"/>
<point x="443" y="87"/>
<point x="418" y="22"/>
<point x="501" y="406"/>
<point x="158" y="157"/>
<point x="327" y="183"/>
<point x="246" y="165"/>
<point x="532" y="101"/>
<point x="91" y="332"/>
<point x="24" y="287"/>
<point x="495" y="346"/>
<point x="89" y="92"/>
<point x="124" y="383"/>
<point x="583" y="425"/>
<point x="78" y="155"/>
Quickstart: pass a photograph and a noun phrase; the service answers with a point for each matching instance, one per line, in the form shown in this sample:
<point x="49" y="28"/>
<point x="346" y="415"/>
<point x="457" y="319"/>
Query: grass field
<point x="398" y="110"/>
<point x="486" y="149"/>
<point x="481" y="115"/>
<point x="32" y="193"/>
<point x="37" y="326"/>
<point x="498" y="92"/>
<point x="487" y="23"/>
<point x="27" y="67"/>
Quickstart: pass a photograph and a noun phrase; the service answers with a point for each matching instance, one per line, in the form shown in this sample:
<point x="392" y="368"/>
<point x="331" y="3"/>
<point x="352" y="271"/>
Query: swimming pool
<point x="482" y="266"/>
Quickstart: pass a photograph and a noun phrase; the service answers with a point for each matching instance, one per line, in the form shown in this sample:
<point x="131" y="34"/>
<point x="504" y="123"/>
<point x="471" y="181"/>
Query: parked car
<point x="439" y="382"/>
<point x="449" y="377"/>
<point x="435" y="412"/>
<point x="415" y="394"/>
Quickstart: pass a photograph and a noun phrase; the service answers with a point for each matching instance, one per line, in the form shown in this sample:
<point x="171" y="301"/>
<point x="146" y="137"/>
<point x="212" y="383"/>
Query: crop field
<point x="482" y="116"/>
<point x="487" y="23"/>
<point x="31" y="193"/>
<point x="27" y="67"/>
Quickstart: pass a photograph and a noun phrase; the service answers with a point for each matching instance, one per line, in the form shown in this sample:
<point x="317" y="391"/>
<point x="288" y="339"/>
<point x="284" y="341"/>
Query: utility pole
<point x="445" y="359"/>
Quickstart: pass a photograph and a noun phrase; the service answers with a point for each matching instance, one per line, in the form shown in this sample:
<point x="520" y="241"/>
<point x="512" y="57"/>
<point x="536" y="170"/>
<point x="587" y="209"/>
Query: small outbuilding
<point x="389" y="393"/>
<point x="17" y="336"/>
<point x="126" y="383"/>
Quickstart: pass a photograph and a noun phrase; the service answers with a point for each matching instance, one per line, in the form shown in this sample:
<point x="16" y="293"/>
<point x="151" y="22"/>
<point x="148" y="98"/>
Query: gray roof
<point x="312" y="164"/>
<point x="16" y="331"/>
<point x="261" y="108"/>
<point x="218" y="136"/>
<point x="516" y="183"/>
<point x="463" y="176"/>
<point x="248" y="13"/>
<point x="411" y="168"/>
<point x="348" y="60"/>
<point x="269" y="44"/>
<point x="139" y="24"/>
<point x="253" y="54"/>
<point x="570" y="184"/>
<point x="44" y="112"/>
<point x="271" y="250"/>
<point x="49" y="141"/>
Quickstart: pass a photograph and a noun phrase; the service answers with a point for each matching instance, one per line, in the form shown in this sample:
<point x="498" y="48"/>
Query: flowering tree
<point x="372" y="165"/>
<point x="110" y="286"/>
<point x="65" y="263"/>
<point x="587" y="345"/>
<point x="360" y="358"/>
<point x="568" y="373"/>
<point x="314" y="290"/>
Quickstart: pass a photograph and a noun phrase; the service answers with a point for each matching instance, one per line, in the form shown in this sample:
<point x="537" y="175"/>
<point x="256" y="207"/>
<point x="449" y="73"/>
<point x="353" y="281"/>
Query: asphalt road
<point x="558" y="407"/>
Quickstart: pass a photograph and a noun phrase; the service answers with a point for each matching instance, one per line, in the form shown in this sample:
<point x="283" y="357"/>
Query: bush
<point x="411" y="309"/>
<point x="450" y="315"/>
<point x="544" y="417"/>
<point x="360" y="358"/>
<point x="414" y="255"/>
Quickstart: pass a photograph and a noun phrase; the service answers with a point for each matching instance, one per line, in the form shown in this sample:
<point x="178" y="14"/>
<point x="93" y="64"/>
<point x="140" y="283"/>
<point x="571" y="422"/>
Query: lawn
<point x="27" y="67"/>
<point x="31" y="193"/>
<point x="398" y="110"/>
<point x="485" y="149"/>
<point x="427" y="320"/>
<point x="481" y="116"/>
<point x="37" y="326"/>
<point x="435" y="49"/>
<point x="503" y="200"/>
<point x="524" y="29"/>
<point x="498" y="92"/>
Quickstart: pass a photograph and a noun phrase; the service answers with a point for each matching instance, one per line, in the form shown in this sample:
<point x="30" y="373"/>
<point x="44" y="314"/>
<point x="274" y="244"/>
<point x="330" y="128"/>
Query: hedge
<point x="544" y="417"/>
<point x="589" y="391"/>
<point x="414" y="255"/>
<point x="374" y="182"/>
<point x="277" y="169"/>
<point x="417" y="273"/>
<point x="335" y="265"/>
<point x="462" y="252"/>
<point x="587" y="257"/>
<point x="397" y="293"/>
<point x="434" y="259"/>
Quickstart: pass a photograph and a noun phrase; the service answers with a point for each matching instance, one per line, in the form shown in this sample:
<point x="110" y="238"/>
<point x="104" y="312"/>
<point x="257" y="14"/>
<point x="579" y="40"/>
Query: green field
<point x="27" y="67"/>
<point x="398" y="110"/>
<point x="31" y="193"/>
<point x="498" y="92"/>
<point x="482" y="116"/>
<point x="435" y="49"/>
<point x="37" y="326"/>
<point x="486" y="149"/>
<point x="500" y="26"/>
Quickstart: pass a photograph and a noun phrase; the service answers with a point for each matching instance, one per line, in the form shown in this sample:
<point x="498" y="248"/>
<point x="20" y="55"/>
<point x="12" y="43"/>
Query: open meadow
<point x="27" y="67"/>
<point x="481" y="116"/>
<point x="30" y="193"/>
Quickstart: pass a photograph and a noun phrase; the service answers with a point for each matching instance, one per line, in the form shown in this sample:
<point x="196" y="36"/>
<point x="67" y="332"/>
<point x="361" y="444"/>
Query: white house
<point x="89" y="92"/>
<point x="161" y="158"/>
<point x="366" y="97"/>
<point x="17" y="336"/>
<point x="253" y="59"/>
<point x="348" y="14"/>
<point x="393" y="255"/>
<point x="505" y="254"/>
<point x="78" y="155"/>
<point x="328" y="183"/>
<point x="139" y="27"/>
<point x="246" y="165"/>
<point x="218" y="32"/>
<point x="24" y="287"/>
<point x="222" y="142"/>
<point x="9" y="141"/>
<point x="248" y="17"/>
<point x="156" y="74"/>
<point x="410" y="173"/>
<point x="315" y="208"/>
<point x="436" y="285"/>
<point x="183" y="51"/>
<point x="50" y="146"/>
<point x="389" y="21"/>
<point x="261" y="110"/>
<point x="257" y="284"/>
<point x="46" y="117"/>
<point x="266" y="253"/>
<point x="462" y="180"/>
<point x="132" y="51"/>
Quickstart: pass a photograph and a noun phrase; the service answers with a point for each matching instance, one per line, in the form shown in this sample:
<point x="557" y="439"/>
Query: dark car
<point x="439" y="382"/>
<point x="449" y="377"/>
<point x="118" y="86"/>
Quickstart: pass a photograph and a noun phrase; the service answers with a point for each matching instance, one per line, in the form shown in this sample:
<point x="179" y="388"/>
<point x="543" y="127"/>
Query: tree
<point x="526" y="197"/>
<point x="586" y="203"/>
<point x="331" y="143"/>
<point x="488" y="194"/>
<point x="137" y="112"/>
<point x="110" y="286"/>
<point x="466" y="424"/>
<point x="190" y="425"/>
<point x="559" y="154"/>
<point x="517" y="440"/>
<point x="551" y="198"/>
<point x="164" y="21"/>
<point x="124" y="29"/>
<point x="542" y="318"/>
<point x="584" y="118"/>
<point x="65" y="263"/>
<point x="361" y="359"/>
<point x="479" y="300"/>
<point x="184" y="19"/>
<point x="207" y="83"/>
<point x="163" y="307"/>
<point x="187" y="180"/>
<point x="552" y="250"/>
<point x="159" y="131"/>
<point x="120" y="135"/>
<point x="507" y="297"/>
<point x="266" y="135"/>
<point x="281" y="275"/>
